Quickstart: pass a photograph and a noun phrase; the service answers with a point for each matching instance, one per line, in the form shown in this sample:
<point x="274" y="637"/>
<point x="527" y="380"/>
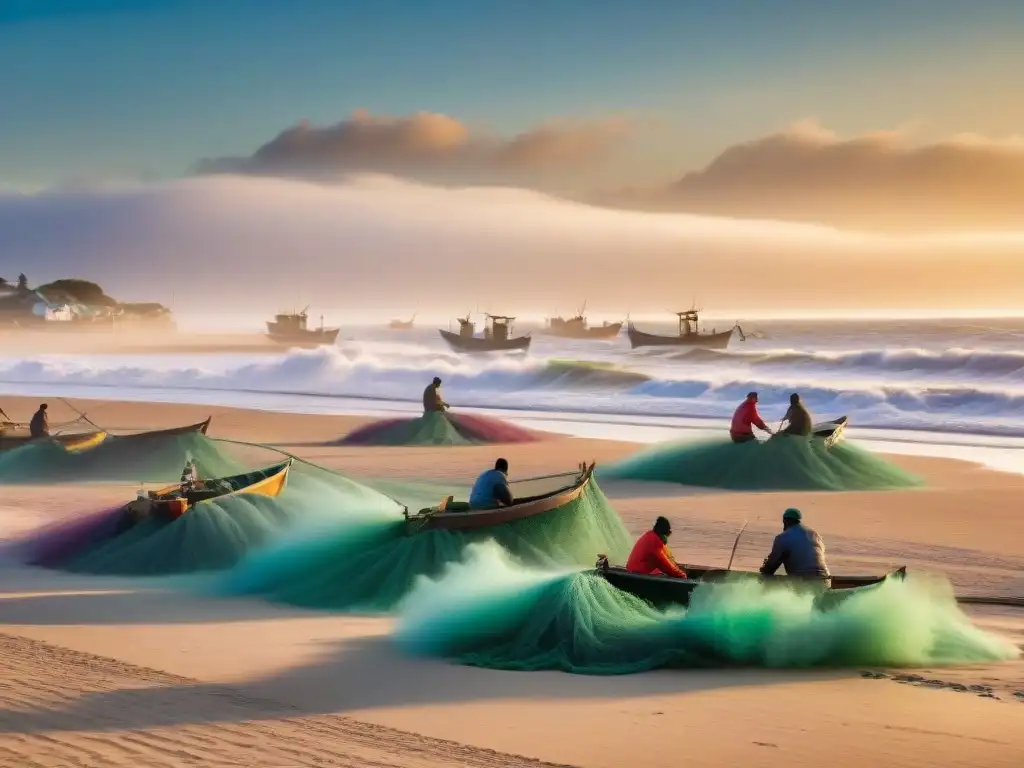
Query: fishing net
<point x="487" y="611"/>
<point x="212" y="535"/>
<point x="134" y="458"/>
<point x="371" y="562"/>
<point x="780" y="464"/>
<point x="439" y="429"/>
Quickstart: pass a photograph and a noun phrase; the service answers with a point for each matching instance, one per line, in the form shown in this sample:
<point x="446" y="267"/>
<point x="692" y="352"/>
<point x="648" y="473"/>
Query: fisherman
<point x="799" y="550"/>
<point x="799" y="418"/>
<point x="189" y="477"/>
<point x="745" y="419"/>
<point x="432" y="400"/>
<point x="651" y="555"/>
<point x="491" y="489"/>
<point x="40" y="424"/>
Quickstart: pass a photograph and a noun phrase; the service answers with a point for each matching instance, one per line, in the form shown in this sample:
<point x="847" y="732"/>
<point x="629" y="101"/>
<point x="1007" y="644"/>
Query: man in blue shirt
<point x="798" y="549"/>
<point x="491" y="489"/>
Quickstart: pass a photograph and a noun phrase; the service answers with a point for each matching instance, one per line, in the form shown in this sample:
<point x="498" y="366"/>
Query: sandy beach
<point x="103" y="671"/>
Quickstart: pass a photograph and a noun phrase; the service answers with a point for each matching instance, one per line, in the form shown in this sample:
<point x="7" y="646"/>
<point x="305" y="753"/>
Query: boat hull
<point x="72" y="443"/>
<point x="694" y="340"/>
<point x="476" y="344"/>
<point x="665" y="591"/>
<point x="439" y="518"/>
<point x="593" y="332"/>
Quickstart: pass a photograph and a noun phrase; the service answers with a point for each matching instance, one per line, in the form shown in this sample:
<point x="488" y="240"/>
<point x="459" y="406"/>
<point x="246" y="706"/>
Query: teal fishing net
<point x="156" y="459"/>
<point x="370" y="562"/>
<point x="784" y="463"/>
<point x="487" y="611"/>
<point x="214" y="534"/>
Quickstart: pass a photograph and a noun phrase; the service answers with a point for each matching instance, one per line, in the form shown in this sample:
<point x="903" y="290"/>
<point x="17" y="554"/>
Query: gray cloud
<point x="431" y="147"/>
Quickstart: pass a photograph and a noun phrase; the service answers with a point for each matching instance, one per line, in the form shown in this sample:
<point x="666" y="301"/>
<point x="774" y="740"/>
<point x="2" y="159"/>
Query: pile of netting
<point x="783" y="463"/>
<point x="212" y="535"/>
<point x="488" y="611"/>
<point x="370" y="563"/>
<point x="133" y="458"/>
<point x="439" y="429"/>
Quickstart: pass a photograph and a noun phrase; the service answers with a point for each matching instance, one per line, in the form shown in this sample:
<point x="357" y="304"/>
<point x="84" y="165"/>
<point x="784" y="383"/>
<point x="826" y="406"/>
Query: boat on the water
<point x="402" y="325"/>
<point x="667" y="591"/>
<point x="294" y="329"/>
<point x="496" y="336"/>
<point x="690" y="334"/>
<point x="577" y="328"/>
<point x="451" y="515"/>
<point x="171" y="502"/>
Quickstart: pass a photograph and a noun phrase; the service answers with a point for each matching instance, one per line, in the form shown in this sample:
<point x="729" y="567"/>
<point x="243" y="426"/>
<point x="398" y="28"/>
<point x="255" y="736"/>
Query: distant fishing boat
<point x="402" y="325"/>
<point x="293" y="329"/>
<point x="690" y="335"/>
<point x="495" y="339"/>
<point x="577" y="327"/>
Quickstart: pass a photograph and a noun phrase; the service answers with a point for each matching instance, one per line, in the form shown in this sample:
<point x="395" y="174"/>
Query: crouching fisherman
<point x="799" y="550"/>
<point x="651" y="555"/>
<point x="491" y="489"/>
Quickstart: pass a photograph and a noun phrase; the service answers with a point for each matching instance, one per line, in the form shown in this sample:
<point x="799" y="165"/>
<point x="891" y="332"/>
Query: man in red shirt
<point x="745" y="419"/>
<point x="651" y="555"/>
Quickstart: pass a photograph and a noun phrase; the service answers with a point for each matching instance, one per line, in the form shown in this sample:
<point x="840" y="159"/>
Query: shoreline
<point x="222" y="668"/>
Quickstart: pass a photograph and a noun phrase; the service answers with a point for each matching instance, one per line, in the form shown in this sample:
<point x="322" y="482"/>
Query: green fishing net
<point x="488" y="611"/>
<point x="784" y="463"/>
<point x="371" y="561"/>
<point x="157" y="459"/>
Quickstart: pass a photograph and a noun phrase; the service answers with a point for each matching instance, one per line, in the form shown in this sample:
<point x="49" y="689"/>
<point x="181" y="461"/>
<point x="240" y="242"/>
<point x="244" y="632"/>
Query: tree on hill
<point x="75" y="291"/>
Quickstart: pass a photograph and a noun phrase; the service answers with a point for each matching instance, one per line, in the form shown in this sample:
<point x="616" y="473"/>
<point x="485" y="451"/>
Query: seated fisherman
<point x="798" y="549"/>
<point x="189" y="477"/>
<point x="799" y="418"/>
<point x="432" y="401"/>
<point x="491" y="489"/>
<point x="40" y="424"/>
<point x="745" y="419"/>
<point x="651" y="555"/>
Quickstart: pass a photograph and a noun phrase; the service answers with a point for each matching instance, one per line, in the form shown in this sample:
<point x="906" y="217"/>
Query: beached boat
<point x="666" y="591"/>
<point x="458" y="516"/>
<point x="690" y="335"/>
<point x="170" y="503"/>
<point x="293" y="329"/>
<point x="495" y="339"/>
<point x="577" y="327"/>
<point x="78" y="442"/>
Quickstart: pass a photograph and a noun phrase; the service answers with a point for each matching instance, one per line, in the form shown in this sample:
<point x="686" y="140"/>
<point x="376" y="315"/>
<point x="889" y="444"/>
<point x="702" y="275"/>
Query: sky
<point x="147" y="88"/>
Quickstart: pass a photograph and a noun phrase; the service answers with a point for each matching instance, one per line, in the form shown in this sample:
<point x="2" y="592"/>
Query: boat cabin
<point x="292" y="323"/>
<point x="466" y="327"/>
<point x="498" y="327"/>
<point x="689" y="322"/>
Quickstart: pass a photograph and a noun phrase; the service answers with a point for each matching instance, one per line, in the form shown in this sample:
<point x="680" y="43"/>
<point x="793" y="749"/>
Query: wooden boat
<point x="495" y="339"/>
<point x="451" y="515"/>
<point x="170" y="503"/>
<point x="666" y="591"/>
<point x="689" y="335"/>
<point x="78" y="442"/>
<point x="577" y="328"/>
<point x="832" y="431"/>
<point x="402" y="325"/>
<point x="293" y="329"/>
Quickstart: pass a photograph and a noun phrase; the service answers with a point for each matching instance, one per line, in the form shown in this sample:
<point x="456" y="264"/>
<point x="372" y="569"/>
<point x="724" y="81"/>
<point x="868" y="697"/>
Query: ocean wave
<point x="561" y="385"/>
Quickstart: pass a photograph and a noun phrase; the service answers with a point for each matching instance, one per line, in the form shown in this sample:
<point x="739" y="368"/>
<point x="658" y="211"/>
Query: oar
<point x="735" y="544"/>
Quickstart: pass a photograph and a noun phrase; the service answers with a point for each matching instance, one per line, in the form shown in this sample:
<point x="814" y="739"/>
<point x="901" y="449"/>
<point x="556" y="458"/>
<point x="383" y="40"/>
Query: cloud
<point x="432" y="147"/>
<point x="376" y="246"/>
<point x="874" y="181"/>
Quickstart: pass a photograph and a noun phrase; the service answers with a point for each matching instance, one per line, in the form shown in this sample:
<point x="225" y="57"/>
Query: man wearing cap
<point x="651" y="555"/>
<point x="432" y="400"/>
<point x="798" y="549"/>
<point x="745" y="419"/>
